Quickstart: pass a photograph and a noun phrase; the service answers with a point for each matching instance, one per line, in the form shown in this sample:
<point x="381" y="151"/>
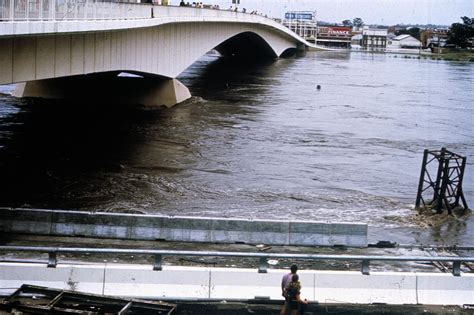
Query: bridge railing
<point x="41" y="10"/>
<point x="262" y="257"/>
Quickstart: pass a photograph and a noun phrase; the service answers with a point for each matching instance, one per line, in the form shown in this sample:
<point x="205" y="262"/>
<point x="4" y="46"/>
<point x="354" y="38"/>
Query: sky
<point x="385" y="12"/>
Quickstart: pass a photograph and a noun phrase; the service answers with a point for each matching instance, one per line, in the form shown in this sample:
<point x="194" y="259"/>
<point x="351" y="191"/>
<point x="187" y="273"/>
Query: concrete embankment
<point x="201" y="283"/>
<point x="184" y="229"/>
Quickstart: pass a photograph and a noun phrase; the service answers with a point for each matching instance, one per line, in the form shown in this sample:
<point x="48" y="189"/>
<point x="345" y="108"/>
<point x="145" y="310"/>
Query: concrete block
<point x="168" y="93"/>
<point x="171" y="282"/>
<point x="243" y="225"/>
<point x="89" y="53"/>
<point x="249" y="231"/>
<point x="353" y="287"/>
<point x="238" y="283"/>
<point x="445" y="289"/>
<point x="170" y="228"/>
<point x="7" y="28"/>
<point x="25" y="28"/>
<point x="244" y="284"/>
<point x="62" y="62"/>
<point x="107" y="51"/>
<point x="316" y="233"/>
<point x="45" y="47"/>
<point x="83" y="278"/>
<point x="6" y="60"/>
<point x="116" y="51"/>
<point x="324" y="228"/>
<point x="99" y="52"/>
<point x="395" y="288"/>
<point x="188" y="229"/>
<point x="89" y="224"/>
<point x="25" y="221"/>
<point x="48" y="27"/>
<point x="77" y="54"/>
<point x="24" y="61"/>
<point x="249" y="237"/>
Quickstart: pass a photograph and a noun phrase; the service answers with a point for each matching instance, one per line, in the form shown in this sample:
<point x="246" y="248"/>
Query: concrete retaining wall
<point x="186" y="229"/>
<point x="224" y="283"/>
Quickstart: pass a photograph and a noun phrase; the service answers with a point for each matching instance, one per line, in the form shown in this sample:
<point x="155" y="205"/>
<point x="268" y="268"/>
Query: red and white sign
<point x="339" y="30"/>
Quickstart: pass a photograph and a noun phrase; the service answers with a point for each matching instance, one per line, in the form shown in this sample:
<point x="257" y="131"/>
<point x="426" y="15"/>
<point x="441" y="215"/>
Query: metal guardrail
<point x="263" y="257"/>
<point x="44" y="10"/>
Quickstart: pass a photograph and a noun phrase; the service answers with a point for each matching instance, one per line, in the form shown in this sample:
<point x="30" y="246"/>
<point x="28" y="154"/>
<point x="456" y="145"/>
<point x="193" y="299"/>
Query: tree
<point x="347" y="23"/>
<point x="357" y="22"/>
<point x="413" y="31"/>
<point x="460" y="34"/>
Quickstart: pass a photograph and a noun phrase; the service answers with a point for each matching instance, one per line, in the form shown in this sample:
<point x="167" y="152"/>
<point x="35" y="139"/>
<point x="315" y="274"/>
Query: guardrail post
<point x="52" y="260"/>
<point x="365" y="267"/>
<point x="157" y="264"/>
<point x="262" y="268"/>
<point x="456" y="268"/>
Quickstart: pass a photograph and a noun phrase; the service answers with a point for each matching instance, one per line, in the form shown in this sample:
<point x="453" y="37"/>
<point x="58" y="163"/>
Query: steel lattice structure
<point x="445" y="186"/>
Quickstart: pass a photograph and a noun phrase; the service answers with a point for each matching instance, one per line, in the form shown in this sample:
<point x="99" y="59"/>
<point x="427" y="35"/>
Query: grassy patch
<point x="460" y="55"/>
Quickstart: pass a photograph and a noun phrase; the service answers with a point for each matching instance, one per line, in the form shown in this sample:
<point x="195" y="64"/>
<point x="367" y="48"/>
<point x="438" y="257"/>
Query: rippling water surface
<point x="255" y="141"/>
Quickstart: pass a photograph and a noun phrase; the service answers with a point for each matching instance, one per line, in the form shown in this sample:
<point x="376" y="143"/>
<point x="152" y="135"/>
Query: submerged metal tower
<point x="446" y="185"/>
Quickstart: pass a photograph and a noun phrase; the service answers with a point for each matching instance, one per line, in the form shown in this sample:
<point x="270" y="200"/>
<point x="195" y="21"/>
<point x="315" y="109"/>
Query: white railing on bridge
<point x="44" y="10"/>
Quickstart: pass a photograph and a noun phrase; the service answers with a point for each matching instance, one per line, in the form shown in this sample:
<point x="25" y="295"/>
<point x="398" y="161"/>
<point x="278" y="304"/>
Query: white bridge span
<point x="56" y="46"/>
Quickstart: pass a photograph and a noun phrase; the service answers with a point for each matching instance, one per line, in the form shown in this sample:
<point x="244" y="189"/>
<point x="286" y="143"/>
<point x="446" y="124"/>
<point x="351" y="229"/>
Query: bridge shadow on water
<point x="101" y="155"/>
<point x="48" y="146"/>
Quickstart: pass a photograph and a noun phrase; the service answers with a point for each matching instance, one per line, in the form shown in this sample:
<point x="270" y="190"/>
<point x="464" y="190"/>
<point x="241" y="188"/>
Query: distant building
<point x="405" y="41"/>
<point x="390" y="36"/>
<point x="303" y="23"/>
<point x="335" y="36"/>
<point x="374" y="38"/>
<point x="433" y="38"/>
<point x="356" y="39"/>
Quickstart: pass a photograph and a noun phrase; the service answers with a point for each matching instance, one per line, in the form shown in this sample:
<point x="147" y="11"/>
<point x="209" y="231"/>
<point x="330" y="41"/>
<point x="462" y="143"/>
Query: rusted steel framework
<point x="445" y="186"/>
<point x="54" y="301"/>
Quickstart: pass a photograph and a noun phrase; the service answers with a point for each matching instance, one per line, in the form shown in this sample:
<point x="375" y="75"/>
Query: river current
<point x="256" y="141"/>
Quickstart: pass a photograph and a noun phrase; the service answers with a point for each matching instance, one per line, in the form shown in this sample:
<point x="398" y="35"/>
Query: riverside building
<point x="303" y="23"/>
<point x="374" y="38"/>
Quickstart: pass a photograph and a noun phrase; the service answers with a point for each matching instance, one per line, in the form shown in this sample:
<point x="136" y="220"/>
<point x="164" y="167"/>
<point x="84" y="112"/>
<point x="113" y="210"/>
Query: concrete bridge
<point x="62" y="48"/>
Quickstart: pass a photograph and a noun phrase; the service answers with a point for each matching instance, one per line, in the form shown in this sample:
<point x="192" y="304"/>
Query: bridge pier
<point x="145" y="91"/>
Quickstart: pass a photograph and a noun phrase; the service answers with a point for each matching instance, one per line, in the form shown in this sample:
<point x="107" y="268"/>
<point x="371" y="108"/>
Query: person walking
<point x="285" y="282"/>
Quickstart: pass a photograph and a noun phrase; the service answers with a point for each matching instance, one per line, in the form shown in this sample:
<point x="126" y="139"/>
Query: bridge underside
<point x="246" y="45"/>
<point x="108" y="88"/>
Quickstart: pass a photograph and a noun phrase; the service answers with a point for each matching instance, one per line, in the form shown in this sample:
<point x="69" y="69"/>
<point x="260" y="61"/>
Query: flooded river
<point x="256" y="141"/>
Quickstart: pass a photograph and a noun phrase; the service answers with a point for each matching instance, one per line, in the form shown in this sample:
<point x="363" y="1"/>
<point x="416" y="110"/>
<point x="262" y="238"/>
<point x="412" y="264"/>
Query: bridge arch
<point x="246" y="45"/>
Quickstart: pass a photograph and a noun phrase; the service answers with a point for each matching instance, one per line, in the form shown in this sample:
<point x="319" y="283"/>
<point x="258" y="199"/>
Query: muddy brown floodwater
<point x="256" y="141"/>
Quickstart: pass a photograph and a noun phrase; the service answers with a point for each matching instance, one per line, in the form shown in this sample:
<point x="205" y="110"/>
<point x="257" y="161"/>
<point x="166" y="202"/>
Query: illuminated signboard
<point x="298" y="16"/>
